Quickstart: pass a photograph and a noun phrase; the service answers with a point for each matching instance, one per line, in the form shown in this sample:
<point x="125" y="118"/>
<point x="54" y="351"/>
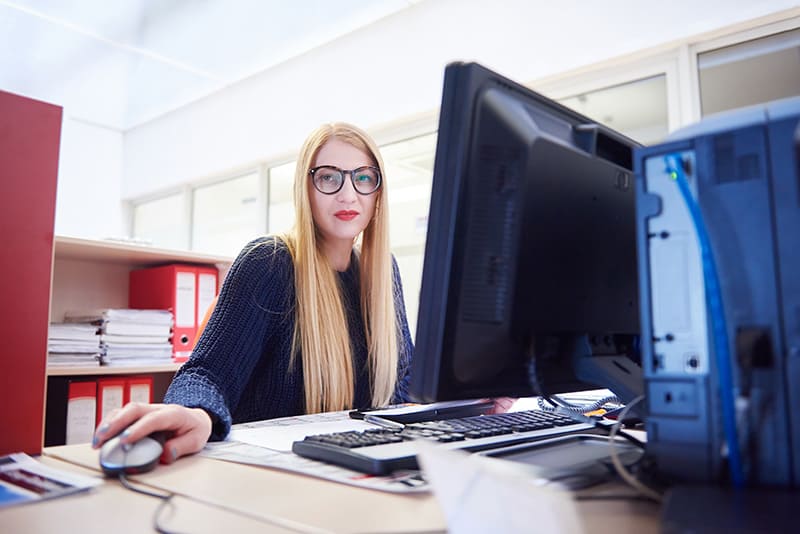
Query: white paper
<point x="243" y="453"/>
<point x="279" y="434"/>
<point x="269" y="443"/>
<point x="480" y="494"/>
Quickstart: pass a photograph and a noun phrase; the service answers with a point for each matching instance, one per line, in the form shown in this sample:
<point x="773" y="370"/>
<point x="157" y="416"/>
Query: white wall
<point x="89" y="198"/>
<point x="393" y="69"/>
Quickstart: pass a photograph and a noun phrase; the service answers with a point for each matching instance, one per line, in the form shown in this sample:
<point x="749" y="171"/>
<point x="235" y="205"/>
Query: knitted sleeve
<point x="405" y="344"/>
<point x="253" y="300"/>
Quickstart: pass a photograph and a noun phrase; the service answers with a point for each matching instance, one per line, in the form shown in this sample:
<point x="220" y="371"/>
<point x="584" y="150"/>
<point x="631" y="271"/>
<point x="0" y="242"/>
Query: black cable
<point x="533" y="379"/>
<point x="166" y="499"/>
<point x="533" y="373"/>
<point x="555" y="401"/>
<point x="157" y="516"/>
<point x="127" y="483"/>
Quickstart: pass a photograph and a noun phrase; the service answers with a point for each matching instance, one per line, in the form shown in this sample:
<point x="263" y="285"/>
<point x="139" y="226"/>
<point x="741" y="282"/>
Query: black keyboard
<point x="380" y="451"/>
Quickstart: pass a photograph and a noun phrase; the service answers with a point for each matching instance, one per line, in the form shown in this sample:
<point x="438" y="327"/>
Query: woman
<point x="306" y="322"/>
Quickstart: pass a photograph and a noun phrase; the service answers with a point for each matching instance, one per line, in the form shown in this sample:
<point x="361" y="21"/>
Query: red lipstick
<point x="346" y="215"/>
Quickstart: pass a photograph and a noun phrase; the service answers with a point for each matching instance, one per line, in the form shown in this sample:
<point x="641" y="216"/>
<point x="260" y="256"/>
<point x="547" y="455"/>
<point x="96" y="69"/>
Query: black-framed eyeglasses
<point x="329" y="179"/>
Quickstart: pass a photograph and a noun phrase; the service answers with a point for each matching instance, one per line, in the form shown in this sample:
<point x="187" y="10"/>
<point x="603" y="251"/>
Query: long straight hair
<point x="320" y="333"/>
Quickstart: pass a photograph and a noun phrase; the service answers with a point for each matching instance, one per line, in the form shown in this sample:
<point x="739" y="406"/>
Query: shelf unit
<point x="92" y="275"/>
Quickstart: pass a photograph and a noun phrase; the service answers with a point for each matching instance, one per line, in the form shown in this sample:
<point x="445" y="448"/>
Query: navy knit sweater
<point x="239" y="370"/>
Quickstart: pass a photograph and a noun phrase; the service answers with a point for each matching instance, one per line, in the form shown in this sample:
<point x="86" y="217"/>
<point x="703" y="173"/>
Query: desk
<point x="213" y="495"/>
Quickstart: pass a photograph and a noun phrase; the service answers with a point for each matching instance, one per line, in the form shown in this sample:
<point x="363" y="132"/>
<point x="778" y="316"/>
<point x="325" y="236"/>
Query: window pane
<point x="637" y="109"/>
<point x="161" y="222"/>
<point x="750" y="73"/>
<point x="281" y="205"/>
<point x="226" y="216"/>
<point x="409" y="173"/>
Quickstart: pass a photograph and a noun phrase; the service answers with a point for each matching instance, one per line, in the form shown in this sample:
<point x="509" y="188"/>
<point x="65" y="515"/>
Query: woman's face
<point x="341" y="216"/>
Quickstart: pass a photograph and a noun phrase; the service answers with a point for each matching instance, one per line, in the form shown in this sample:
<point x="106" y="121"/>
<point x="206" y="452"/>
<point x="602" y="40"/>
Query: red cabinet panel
<point x="29" y="143"/>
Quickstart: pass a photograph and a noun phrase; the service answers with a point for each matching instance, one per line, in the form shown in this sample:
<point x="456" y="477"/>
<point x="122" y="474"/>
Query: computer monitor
<point x="529" y="283"/>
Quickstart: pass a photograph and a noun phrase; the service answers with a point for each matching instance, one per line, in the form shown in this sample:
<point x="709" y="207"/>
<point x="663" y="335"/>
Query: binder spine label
<point x="184" y="300"/>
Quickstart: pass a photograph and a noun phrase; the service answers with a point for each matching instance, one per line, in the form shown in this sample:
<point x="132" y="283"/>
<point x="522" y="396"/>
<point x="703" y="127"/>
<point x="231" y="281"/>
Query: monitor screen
<point x="529" y="282"/>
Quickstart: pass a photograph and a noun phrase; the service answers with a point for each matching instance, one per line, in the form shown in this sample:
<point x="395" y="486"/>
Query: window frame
<point x="677" y="61"/>
<point x="732" y="38"/>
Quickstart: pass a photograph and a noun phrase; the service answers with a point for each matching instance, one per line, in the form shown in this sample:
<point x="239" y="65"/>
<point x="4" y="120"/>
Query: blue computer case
<point x="740" y="170"/>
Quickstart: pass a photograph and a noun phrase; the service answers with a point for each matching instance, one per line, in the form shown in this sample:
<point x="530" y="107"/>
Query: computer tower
<point x="742" y="175"/>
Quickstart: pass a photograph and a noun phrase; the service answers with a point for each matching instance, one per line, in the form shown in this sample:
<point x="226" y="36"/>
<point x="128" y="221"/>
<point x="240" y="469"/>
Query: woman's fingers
<point x="190" y="437"/>
<point x="188" y="428"/>
<point x="502" y="404"/>
<point x="119" y="420"/>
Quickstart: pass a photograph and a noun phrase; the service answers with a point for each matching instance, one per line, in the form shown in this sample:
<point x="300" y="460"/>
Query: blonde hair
<point x="320" y="332"/>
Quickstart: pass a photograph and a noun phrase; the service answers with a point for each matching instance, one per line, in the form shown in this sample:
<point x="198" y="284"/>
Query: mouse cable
<point x="165" y="500"/>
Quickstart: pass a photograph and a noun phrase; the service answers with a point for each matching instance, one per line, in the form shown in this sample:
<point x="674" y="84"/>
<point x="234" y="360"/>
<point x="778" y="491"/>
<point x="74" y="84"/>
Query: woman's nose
<point x="348" y="190"/>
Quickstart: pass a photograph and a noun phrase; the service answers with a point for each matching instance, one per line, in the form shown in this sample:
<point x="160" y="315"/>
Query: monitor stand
<point x="578" y="365"/>
<point x="583" y="458"/>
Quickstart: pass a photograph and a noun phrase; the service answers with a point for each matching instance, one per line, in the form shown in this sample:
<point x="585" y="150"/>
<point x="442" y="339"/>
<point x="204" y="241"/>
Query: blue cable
<point x="718" y="324"/>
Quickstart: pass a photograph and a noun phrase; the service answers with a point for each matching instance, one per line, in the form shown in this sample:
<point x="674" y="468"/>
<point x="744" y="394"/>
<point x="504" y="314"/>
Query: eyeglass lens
<point x="329" y="180"/>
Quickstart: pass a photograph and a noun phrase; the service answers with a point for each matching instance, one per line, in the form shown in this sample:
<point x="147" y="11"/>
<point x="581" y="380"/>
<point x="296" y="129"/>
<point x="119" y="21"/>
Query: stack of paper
<point x="131" y="337"/>
<point x="73" y="345"/>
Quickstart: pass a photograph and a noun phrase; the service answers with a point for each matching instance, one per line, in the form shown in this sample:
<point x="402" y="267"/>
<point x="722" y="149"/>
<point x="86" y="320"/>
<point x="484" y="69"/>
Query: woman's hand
<point x="502" y="404"/>
<point x="190" y="428"/>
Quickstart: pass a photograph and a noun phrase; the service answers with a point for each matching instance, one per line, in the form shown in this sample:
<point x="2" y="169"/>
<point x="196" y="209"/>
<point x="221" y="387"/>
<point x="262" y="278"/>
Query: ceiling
<point x="120" y="63"/>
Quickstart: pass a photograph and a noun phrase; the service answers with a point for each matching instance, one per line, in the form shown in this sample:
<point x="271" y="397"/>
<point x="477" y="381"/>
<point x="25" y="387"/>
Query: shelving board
<point x="108" y="251"/>
<point x="113" y="369"/>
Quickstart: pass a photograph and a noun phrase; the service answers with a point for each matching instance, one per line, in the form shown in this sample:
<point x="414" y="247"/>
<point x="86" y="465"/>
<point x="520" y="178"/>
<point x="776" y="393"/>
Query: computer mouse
<point x="138" y="457"/>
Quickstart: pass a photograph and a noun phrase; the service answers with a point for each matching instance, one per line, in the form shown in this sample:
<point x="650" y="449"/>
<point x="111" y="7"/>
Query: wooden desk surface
<point x="111" y="508"/>
<point x="301" y="502"/>
<point x="213" y="495"/>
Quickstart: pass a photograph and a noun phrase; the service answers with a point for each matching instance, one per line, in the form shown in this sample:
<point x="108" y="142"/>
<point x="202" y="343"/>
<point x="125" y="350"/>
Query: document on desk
<point x="269" y="444"/>
<point x="24" y="479"/>
<point x="279" y="434"/>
